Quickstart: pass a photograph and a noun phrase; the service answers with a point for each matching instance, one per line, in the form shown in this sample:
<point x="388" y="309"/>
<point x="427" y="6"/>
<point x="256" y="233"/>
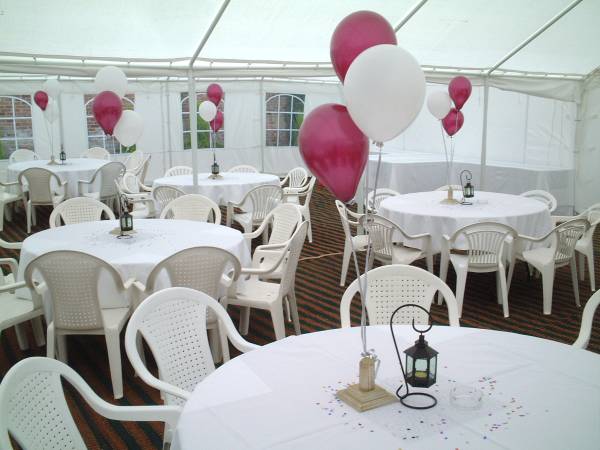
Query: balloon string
<point x="447" y="156"/>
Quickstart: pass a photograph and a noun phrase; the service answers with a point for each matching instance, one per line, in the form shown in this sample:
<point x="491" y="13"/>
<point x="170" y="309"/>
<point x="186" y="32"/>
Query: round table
<point x="535" y="394"/>
<point x="230" y="188"/>
<point x="73" y="170"/>
<point x="154" y="240"/>
<point x="422" y="212"/>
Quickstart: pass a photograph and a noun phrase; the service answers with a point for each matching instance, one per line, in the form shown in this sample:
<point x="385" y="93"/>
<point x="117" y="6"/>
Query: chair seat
<point x="405" y="255"/>
<point x="12" y="307"/>
<point x="245" y="219"/>
<point x="115" y="317"/>
<point x="360" y="241"/>
<point x="255" y="294"/>
<point x="584" y="243"/>
<point x="461" y="262"/>
<point x="7" y="197"/>
<point x="538" y="256"/>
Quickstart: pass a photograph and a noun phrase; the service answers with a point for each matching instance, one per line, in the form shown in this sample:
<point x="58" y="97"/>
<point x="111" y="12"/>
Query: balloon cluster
<point x="208" y="108"/>
<point x="440" y="104"/>
<point x="127" y="126"/>
<point x="384" y="88"/>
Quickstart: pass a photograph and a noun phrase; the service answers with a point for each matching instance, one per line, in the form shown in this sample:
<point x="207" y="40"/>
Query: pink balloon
<point x="217" y="122"/>
<point x="214" y="92"/>
<point x="460" y="91"/>
<point x="41" y="99"/>
<point x="334" y="149"/>
<point x="453" y="121"/>
<point x="356" y="33"/>
<point x="107" y="109"/>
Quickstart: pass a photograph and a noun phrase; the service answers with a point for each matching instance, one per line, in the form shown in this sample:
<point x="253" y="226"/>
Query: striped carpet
<point x="319" y="293"/>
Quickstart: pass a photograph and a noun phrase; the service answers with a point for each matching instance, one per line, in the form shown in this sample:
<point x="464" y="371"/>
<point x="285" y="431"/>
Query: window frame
<point x="14" y="119"/>
<point x="290" y="129"/>
<point x="103" y="136"/>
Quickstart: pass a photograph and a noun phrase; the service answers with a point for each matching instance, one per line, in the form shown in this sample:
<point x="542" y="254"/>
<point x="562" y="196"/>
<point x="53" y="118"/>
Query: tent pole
<point x="262" y="125"/>
<point x="409" y="15"/>
<point x="169" y="137"/>
<point x="60" y="121"/>
<point x="193" y="108"/>
<point x="212" y="26"/>
<point x="486" y="89"/>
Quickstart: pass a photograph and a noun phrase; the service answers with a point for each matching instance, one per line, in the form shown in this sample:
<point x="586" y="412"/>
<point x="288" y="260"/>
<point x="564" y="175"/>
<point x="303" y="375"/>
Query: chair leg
<point x="214" y="343"/>
<point x="294" y="310"/>
<point x="443" y="273"/>
<point x="574" y="280"/>
<point x="3" y="206"/>
<point x="28" y="215"/>
<point x="244" y="320"/>
<point x="139" y="343"/>
<point x="502" y="291"/>
<point x="224" y="343"/>
<point x="581" y="264"/>
<point x="114" y="361"/>
<point x="346" y="261"/>
<point x="461" y="281"/>
<point x="309" y="232"/>
<point x="61" y="346"/>
<point x="38" y="331"/>
<point x="511" y="268"/>
<point x="8" y="208"/>
<point x="21" y="336"/>
<point x="548" y="285"/>
<point x="265" y="235"/>
<point x="276" y="310"/>
<point x="33" y="216"/>
<point x="429" y="259"/>
<point x="51" y="342"/>
<point x="590" y="261"/>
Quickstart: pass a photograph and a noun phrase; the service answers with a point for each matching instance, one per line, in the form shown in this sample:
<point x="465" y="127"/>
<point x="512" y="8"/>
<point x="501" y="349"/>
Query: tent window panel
<point x="284" y="115"/>
<point x="96" y="136"/>
<point x="203" y="128"/>
<point x="16" y="130"/>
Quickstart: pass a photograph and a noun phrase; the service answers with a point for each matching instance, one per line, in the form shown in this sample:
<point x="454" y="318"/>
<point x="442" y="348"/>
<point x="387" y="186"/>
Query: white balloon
<point x="129" y="128"/>
<point x="384" y="90"/>
<point x="52" y="88"/>
<point x="51" y="113"/>
<point x="111" y="78"/>
<point x="207" y="110"/>
<point x="439" y="104"/>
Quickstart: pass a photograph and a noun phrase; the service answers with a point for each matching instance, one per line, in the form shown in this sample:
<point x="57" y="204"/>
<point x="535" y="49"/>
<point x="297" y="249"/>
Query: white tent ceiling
<point x="263" y="35"/>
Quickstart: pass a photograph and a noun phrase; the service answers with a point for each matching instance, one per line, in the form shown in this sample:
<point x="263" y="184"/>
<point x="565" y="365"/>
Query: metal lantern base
<point x="433" y="400"/>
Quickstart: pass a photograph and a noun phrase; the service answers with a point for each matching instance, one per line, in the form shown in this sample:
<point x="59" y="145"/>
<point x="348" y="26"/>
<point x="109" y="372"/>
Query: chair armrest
<point x="132" y="282"/>
<point x="419" y="236"/>
<point x="255" y="271"/>
<point x="10" y="245"/>
<point x="12" y="263"/>
<point x="353" y="214"/>
<point x="143" y="187"/>
<point x="14" y="183"/>
<point x="12" y="286"/>
<point x="534" y="239"/>
<point x="256" y="233"/>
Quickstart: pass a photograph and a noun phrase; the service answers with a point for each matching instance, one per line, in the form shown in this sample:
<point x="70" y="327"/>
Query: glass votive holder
<point x="466" y="397"/>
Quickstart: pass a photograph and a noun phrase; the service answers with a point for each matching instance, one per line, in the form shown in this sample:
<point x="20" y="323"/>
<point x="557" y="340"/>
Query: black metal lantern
<point x="126" y="222"/>
<point x="214" y="168"/>
<point x="421" y="364"/>
<point x="467" y="187"/>
<point x="62" y="156"/>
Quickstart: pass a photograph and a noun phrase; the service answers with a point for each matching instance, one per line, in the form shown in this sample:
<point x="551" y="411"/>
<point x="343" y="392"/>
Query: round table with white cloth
<point x="154" y="240"/>
<point x="230" y="188"/>
<point x="73" y="170"/>
<point x="536" y="394"/>
<point x="422" y="212"/>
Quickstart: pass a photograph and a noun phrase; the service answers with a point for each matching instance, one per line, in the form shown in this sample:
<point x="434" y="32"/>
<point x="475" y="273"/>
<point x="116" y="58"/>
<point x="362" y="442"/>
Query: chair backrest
<point x="308" y="191"/>
<point x="39" y="182"/>
<point x="593" y="216"/>
<point x="284" y="220"/>
<point x="34" y="411"/>
<point x="243" y="168"/>
<point x="290" y="263"/>
<point x="72" y="280"/>
<point x="542" y="196"/>
<point x="134" y="161"/>
<point x="390" y="286"/>
<point x="129" y="183"/>
<point x="296" y="177"/>
<point x="179" y="170"/>
<point x="78" y="210"/>
<point x="455" y="187"/>
<point x="343" y="212"/>
<point x="199" y="268"/>
<point x="96" y="153"/>
<point x="263" y="200"/>
<point x="22" y="154"/>
<point x="143" y="169"/>
<point x="163" y="195"/>
<point x="109" y="173"/>
<point x="173" y="324"/>
<point x="485" y="242"/>
<point x="383" y="232"/>
<point x="374" y="199"/>
<point x="587" y="320"/>
<point x="192" y="207"/>
<point x="566" y="236"/>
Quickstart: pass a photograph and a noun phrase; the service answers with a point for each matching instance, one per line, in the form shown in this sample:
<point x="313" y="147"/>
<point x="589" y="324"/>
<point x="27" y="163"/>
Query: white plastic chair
<point x="557" y="250"/>
<point x="34" y="411"/>
<point x="542" y="196"/>
<point x="163" y="195"/>
<point x="304" y="192"/>
<point x="137" y="194"/>
<point x="7" y="198"/>
<point x="22" y="154"/>
<point x="254" y="293"/>
<point x="72" y="280"/>
<point x="587" y="320"/>
<point x="96" y="153"/>
<point x="373" y="201"/>
<point x="485" y="244"/>
<point x="78" y="210"/>
<point x="179" y="170"/>
<point x="243" y="168"/>
<point x="14" y="310"/>
<point x="109" y="175"/>
<point x="295" y="179"/>
<point x="38" y="182"/>
<point x="173" y="324"/>
<point x="388" y="242"/>
<point x="192" y="207"/>
<point x="388" y="287"/>
<point x="352" y="243"/>
<point x="134" y="161"/>
<point x="261" y="201"/>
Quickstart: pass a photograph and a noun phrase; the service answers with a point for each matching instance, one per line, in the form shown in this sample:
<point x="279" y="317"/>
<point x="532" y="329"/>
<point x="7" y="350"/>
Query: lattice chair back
<point x="375" y="199"/>
<point x="485" y="242"/>
<point x="199" y="268"/>
<point x="72" y="280"/>
<point x="192" y="207"/>
<point x="263" y="200"/>
<point x="243" y="168"/>
<point x="39" y="182"/>
<point x="290" y="263"/>
<point x="566" y="236"/>
<point x="33" y="409"/>
<point x="390" y="286"/>
<point x="96" y="153"/>
<point x="22" y="154"/>
<point x="109" y="174"/>
<point x="78" y="210"/>
<point x="593" y="216"/>
<point x="284" y="221"/>
<point x="542" y="196"/>
<point x="296" y="177"/>
<point x="163" y="195"/>
<point x="309" y="191"/>
<point x="179" y="170"/>
<point x="381" y="231"/>
<point x="134" y="161"/>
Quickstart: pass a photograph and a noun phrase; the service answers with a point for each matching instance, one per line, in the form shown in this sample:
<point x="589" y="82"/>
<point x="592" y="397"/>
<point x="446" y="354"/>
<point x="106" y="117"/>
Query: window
<point x="15" y="124"/>
<point x="285" y="113"/>
<point x="202" y="127"/>
<point x="96" y="137"/>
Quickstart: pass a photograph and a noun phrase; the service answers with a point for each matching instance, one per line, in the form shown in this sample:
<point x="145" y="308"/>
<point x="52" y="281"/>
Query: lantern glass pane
<point x="420" y="369"/>
<point x="409" y="365"/>
<point x="432" y="367"/>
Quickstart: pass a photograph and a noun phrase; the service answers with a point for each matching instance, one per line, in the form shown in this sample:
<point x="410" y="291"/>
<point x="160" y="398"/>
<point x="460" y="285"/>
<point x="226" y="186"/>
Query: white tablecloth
<point x="73" y="170"/>
<point x="155" y="240"/>
<point x="231" y="188"/>
<point x="422" y="212"/>
<point x="537" y="394"/>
